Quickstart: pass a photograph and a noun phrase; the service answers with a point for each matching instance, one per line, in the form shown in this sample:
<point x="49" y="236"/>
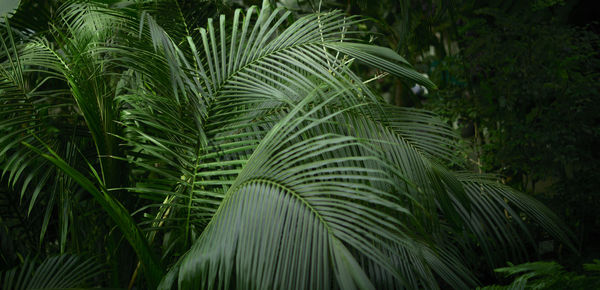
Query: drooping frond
<point x="496" y="219"/>
<point x="304" y="197"/>
<point x="59" y="272"/>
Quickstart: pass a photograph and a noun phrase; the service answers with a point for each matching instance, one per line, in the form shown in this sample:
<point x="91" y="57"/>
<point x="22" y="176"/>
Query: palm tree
<point x="244" y="154"/>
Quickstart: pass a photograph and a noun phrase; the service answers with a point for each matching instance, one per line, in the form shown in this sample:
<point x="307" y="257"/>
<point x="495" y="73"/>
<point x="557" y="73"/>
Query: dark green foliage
<point x="524" y="90"/>
<point x="240" y="151"/>
<point x="59" y="272"/>
<point x="519" y="80"/>
<point x="548" y="275"/>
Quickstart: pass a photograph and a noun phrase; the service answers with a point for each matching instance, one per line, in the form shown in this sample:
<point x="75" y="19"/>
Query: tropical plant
<point x="243" y="154"/>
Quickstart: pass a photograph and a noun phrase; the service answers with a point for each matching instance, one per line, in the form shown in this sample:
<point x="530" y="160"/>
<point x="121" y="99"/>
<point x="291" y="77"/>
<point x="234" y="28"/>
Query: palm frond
<point x="115" y="210"/>
<point x="59" y="272"/>
<point x="500" y="216"/>
<point x="302" y="190"/>
<point x="32" y="105"/>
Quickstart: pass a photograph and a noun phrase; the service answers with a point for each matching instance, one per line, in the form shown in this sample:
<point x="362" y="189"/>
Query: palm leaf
<point x="116" y="211"/>
<point x="301" y="191"/>
<point x="59" y="272"/>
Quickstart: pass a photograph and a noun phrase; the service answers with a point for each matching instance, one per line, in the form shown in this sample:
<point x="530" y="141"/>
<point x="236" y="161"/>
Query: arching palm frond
<point x="59" y="272"/>
<point x="496" y="219"/>
<point x="302" y="197"/>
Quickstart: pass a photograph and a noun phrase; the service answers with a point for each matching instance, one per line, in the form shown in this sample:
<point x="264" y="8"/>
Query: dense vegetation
<point x="188" y="144"/>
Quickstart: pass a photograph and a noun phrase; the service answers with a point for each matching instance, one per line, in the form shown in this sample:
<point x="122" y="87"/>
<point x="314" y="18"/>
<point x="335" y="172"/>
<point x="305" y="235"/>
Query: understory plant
<point x="548" y="275"/>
